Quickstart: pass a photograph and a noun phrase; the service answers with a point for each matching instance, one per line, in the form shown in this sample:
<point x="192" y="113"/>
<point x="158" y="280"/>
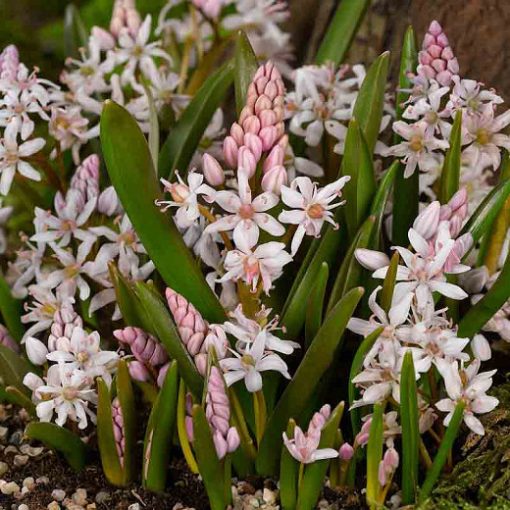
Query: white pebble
<point x="53" y="506"/>
<point x="134" y="506"/>
<point x="3" y="433"/>
<point x="58" y="495"/>
<point x="9" y="488"/>
<point x="29" y="483"/>
<point x="80" y="497"/>
<point x="3" y="468"/>
<point x="23" y="507"/>
<point x="20" y="460"/>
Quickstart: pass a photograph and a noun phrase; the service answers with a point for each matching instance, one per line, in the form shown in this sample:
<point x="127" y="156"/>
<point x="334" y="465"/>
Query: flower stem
<point x="259" y="408"/>
<point x="240" y="423"/>
<point x="181" y="429"/>
<point x="209" y="216"/>
<point x="301" y="476"/>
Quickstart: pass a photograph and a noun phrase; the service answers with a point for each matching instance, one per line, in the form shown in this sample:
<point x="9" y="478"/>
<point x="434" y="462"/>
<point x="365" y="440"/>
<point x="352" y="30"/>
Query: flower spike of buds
<point x="125" y="16"/>
<point x="86" y="178"/>
<point x="260" y="128"/>
<point x="118" y="429"/>
<point x="436" y="57"/>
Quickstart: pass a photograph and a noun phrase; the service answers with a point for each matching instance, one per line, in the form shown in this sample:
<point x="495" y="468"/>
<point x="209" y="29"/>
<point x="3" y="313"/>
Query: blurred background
<point x="477" y="30"/>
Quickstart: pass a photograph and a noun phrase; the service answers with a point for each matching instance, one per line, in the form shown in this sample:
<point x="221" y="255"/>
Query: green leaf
<point x="106" y="439"/>
<point x="450" y="175"/>
<point x="313" y="479"/>
<point x="245" y="68"/>
<point x="341" y="31"/>
<point x="389" y="283"/>
<point x="374" y="456"/>
<point x="17" y="397"/>
<point x="153" y="126"/>
<point x="74" y="450"/>
<point x="484" y="309"/>
<point x="168" y="335"/>
<point x="368" y="108"/>
<point x="13" y="369"/>
<point x="483" y="218"/>
<point x="302" y="386"/>
<point x="442" y="454"/>
<point x="350" y="272"/>
<point x="289" y="471"/>
<point x="380" y="201"/>
<point x="315" y="308"/>
<point x="409" y="417"/>
<point x="359" y="191"/>
<point x="11" y="311"/>
<point x="185" y="136"/>
<point x="326" y="249"/>
<point x="75" y="32"/>
<point x="209" y="465"/>
<point x="357" y="365"/>
<point x="159" y="433"/>
<point x="406" y="193"/>
<point x="130" y="167"/>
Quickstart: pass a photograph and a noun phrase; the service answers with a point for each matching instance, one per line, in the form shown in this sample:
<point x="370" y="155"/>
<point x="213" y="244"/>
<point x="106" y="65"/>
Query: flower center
<point x="246" y="211"/>
<point x="179" y="192"/>
<point x="251" y="268"/>
<point x="71" y="271"/>
<point x="86" y="71"/>
<point x="416" y="143"/>
<point x="315" y="211"/>
<point x="48" y="309"/>
<point x="138" y="51"/>
<point x="70" y="393"/>
<point x="431" y="117"/>
<point x="83" y="356"/>
<point x="127" y="237"/>
<point x="247" y="360"/>
<point x="68" y="225"/>
<point x="483" y="136"/>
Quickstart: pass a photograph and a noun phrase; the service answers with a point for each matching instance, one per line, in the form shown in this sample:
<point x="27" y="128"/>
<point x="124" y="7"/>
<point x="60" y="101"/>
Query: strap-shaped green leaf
<point x="185" y="136"/>
<point x="359" y="191"/>
<point x="450" y="175"/>
<point x="159" y="432"/>
<point x="245" y="68"/>
<point x="442" y="454"/>
<point x="130" y="167"/>
<point x="315" y="309"/>
<point x="209" y="465"/>
<point x="75" y="32"/>
<point x="368" y="108"/>
<point x="484" y="309"/>
<point x="313" y="479"/>
<point x="483" y="218"/>
<point x="62" y="440"/>
<point x="11" y="311"/>
<point x="13" y="369"/>
<point x="317" y="359"/>
<point x="17" y="397"/>
<point x="374" y="456"/>
<point x="351" y="270"/>
<point x="409" y="417"/>
<point x="168" y="335"/>
<point x="356" y="366"/>
<point x="406" y="193"/>
<point x="341" y="31"/>
<point x="388" y="286"/>
<point x="289" y="473"/>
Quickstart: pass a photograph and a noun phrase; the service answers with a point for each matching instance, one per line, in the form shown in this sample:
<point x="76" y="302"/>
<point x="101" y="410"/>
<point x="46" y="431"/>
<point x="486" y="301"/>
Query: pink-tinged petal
<point x="420" y="245"/>
<point x="371" y="259"/>
<point x="481" y="348"/>
<point x="228" y="201"/>
<point x="448" y="289"/>
<point x="269" y="224"/>
<point x="297" y="239"/>
<point x="324" y="453"/>
<point x="265" y="202"/>
<point x="253" y="381"/>
<point x="400" y="310"/>
<point x="474" y="424"/>
<point x="360" y="326"/>
<point x="484" y="404"/>
<point x="292" y="198"/>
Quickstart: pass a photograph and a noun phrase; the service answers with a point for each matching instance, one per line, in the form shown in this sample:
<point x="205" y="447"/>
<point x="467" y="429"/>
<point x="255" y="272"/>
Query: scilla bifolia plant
<point x="235" y="282"/>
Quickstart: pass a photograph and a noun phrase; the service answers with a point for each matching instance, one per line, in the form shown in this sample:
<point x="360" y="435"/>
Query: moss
<point x="481" y="477"/>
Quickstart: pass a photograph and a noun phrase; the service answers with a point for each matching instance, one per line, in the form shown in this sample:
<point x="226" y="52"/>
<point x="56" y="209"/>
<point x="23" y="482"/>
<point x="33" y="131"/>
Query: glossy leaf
<point x="409" y="417"/>
<point x="106" y="439"/>
<point x="159" y="432"/>
<point x="289" y="473"/>
<point x="328" y="249"/>
<point x="315" y="473"/>
<point x="210" y="467"/>
<point x="350" y="272"/>
<point x="374" y="456"/>
<point x="359" y="191"/>
<point x="13" y="369"/>
<point x="131" y="170"/>
<point x="450" y="175"/>
<point x="356" y="367"/>
<point x="368" y="108"/>
<point x="168" y="335"/>
<point x="341" y="31"/>
<point x="442" y="454"/>
<point x="185" y="136"/>
<point x="484" y="309"/>
<point x="62" y="440"/>
<point x="245" y="68"/>
<point x="406" y="192"/>
<point x="315" y="308"/>
<point x="483" y="218"/>
<point x="11" y="310"/>
<point x="296" y="395"/>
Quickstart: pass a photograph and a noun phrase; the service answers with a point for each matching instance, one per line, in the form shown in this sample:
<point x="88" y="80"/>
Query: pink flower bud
<point x="275" y="158"/>
<point x="138" y="371"/>
<point x="230" y="150"/>
<point x="118" y="429"/>
<point x="274" y="179"/>
<point x="371" y="259"/>
<point x="108" y="202"/>
<point x="246" y="159"/>
<point x="481" y="348"/>
<point x="36" y="351"/>
<point x="237" y="133"/>
<point x="427" y="221"/>
<point x="104" y="39"/>
<point x="346" y="452"/>
<point x="254" y="143"/>
<point x="162" y="374"/>
<point x="7" y="341"/>
<point x="212" y="170"/>
<point x="9" y="62"/>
